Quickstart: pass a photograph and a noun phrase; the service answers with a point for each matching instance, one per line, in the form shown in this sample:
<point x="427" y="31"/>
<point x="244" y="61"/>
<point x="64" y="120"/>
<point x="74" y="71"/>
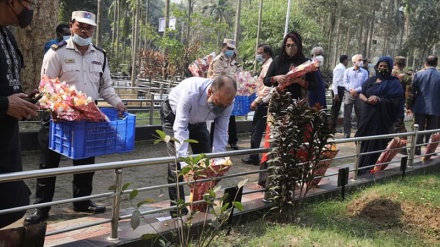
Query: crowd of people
<point x="379" y="101"/>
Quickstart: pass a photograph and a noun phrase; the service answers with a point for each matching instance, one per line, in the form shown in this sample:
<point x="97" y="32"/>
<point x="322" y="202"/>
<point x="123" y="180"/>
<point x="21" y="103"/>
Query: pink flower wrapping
<point x="66" y="103"/>
<point x="299" y="71"/>
<point x="390" y="152"/>
<point x="433" y="143"/>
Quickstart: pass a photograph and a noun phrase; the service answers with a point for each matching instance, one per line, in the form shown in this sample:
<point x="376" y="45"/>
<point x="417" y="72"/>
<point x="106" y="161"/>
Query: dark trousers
<point x="258" y="127"/>
<point x="198" y="132"/>
<point x="425" y="122"/>
<point x="82" y="184"/>
<point x="336" y="106"/>
<point x="232" y="130"/>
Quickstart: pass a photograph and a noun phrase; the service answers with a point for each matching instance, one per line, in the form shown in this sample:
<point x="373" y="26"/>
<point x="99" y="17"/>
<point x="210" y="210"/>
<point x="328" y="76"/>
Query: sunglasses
<point x="291" y="45"/>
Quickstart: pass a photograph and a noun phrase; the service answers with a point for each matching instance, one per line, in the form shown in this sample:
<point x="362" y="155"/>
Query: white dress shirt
<point x="189" y="102"/>
<point x="338" y="77"/>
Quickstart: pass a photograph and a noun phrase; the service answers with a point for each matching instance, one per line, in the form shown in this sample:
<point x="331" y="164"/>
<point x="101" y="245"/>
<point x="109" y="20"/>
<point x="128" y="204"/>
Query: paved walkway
<point x="252" y="200"/>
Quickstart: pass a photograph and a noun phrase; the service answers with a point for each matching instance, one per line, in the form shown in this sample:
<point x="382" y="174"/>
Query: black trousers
<point x="197" y="132"/>
<point x="258" y="127"/>
<point x="232" y="130"/>
<point x="82" y="184"/>
<point x="425" y="122"/>
<point x="336" y="106"/>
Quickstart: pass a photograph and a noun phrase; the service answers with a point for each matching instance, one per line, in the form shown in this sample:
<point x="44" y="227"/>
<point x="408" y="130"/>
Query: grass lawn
<point x="398" y="213"/>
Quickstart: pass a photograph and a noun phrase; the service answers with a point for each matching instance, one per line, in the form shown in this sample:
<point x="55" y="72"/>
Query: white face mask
<point x="259" y="58"/>
<point x="320" y="60"/>
<point x="81" y="41"/>
<point x="66" y="37"/>
<point x="360" y="64"/>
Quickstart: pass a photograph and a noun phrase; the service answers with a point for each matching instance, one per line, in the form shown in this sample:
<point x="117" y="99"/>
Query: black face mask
<point x="383" y="73"/>
<point x="25" y="16"/>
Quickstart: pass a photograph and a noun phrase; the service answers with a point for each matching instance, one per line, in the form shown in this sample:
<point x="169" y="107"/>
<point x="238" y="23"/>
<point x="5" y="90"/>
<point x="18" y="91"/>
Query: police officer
<point x="221" y="64"/>
<point x="77" y="62"/>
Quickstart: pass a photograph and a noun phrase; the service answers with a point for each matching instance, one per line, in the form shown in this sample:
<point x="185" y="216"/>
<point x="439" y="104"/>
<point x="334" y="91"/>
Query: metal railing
<point x="119" y="166"/>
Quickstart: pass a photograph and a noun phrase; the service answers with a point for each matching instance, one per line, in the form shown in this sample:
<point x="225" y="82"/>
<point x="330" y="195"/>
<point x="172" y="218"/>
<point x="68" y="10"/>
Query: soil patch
<point x="386" y="212"/>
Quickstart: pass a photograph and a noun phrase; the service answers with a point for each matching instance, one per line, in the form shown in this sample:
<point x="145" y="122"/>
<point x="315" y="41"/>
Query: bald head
<point x="224" y="89"/>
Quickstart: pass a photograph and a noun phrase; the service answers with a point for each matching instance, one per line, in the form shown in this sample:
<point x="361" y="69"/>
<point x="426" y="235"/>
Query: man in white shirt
<point x="184" y="114"/>
<point x="338" y="88"/>
<point x="264" y="55"/>
<point x="354" y="77"/>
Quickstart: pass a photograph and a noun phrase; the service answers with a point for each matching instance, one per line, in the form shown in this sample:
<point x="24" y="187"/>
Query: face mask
<point x="289" y="51"/>
<point x="360" y="64"/>
<point x="229" y="53"/>
<point x="383" y="71"/>
<point x="320" y="60"/>
<point x="81" y="41"/>
<point x="66" y="37"/>
<point x="217" y="110"/>
<point x="259" y="58"/>
<point x="25" y="17"/>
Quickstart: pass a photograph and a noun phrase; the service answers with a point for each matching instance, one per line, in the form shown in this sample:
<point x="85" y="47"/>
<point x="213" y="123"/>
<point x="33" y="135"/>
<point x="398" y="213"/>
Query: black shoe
<point x="250" y="161"/>
<point x="36" y="217"/>
<point x="418" y="151"/>
<point x="234" y="146"/>
<point x="91" y="208"/>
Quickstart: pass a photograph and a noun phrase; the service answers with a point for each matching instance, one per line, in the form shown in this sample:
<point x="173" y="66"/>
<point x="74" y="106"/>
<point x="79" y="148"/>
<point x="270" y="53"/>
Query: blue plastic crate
<point x="79" y="140"/>
<point x="242" y="105"/>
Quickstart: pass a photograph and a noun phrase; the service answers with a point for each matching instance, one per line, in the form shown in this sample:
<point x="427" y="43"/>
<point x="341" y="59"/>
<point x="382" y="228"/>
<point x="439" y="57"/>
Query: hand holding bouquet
<point x="298" y="72"/>
<point x="66" y="103"/>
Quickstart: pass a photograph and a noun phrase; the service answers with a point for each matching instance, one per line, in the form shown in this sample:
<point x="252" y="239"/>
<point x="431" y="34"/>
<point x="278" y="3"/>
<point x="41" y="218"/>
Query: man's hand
<point x="121" y="108"/>
<point x="20" y="108"/>
<point x="254" y="105"/>
<point x="353" y="93"/>
<point x="336" y="98"/>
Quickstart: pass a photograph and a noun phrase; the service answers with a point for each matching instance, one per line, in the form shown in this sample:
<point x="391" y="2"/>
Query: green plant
<point x="197" y="169"/>
<point x="299" y="141"/>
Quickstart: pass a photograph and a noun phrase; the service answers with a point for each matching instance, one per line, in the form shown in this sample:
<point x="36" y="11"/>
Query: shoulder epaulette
<point x="99" y="49"/>
<point x="58" y="45"/>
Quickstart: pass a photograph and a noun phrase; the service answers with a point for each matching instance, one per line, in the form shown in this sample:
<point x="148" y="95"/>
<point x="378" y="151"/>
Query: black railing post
<point x="343" y="180"/>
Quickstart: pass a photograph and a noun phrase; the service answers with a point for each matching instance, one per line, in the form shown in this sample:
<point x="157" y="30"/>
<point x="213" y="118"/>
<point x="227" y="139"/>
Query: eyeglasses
<point x="28" y="4"/>
<point x="291" y="45"/>
<point x="88" y="28"/>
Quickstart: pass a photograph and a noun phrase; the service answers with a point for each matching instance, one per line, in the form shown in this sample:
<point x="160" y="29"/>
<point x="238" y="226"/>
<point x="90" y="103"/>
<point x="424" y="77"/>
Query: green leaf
<point x="133" y="194"/>
<point x="146" y="201"/>
<point x="125" y="186"/>
<point x="191" y="141"/>
<point x="149" y="236"/>
<point x="238" y="206"/>
<point x="161" y="134"/>
<point x="113" y="187"/>
<point x="135" y="219"/>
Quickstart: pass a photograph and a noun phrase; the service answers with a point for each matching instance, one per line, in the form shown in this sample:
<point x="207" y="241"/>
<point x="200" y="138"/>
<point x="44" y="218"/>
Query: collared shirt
<point x="83" y="71"/>
<point x="353" y="79"/>
<point x="338" y="77"/>
<point x="426" y="91"/>
<point x="263" y="91"/>
<point x="219" y="65"/>
<point x="189" y="102"/>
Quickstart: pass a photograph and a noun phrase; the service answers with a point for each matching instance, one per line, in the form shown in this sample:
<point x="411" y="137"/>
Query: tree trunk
<point x="118" y="14"/>
<point x="370" y="38"/>
<point x="237" y="22"/>
<point x="338" y="33"/>
<point x="260" y="15"/>
<point x="347" y="42"/>
<point x="135" y="43"/>
<point x="114" y="27"/>
<point x="31" y="40"/>
<point x="167" y="16"/>
<point x="98" y="23"/>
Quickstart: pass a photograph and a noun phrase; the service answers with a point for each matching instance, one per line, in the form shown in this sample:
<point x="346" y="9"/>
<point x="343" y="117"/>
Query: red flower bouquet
<point x="66" y="103"/>
<point x="386" y="156"/>
<point x="216" y="168"/>
<point x="433" y="143"/>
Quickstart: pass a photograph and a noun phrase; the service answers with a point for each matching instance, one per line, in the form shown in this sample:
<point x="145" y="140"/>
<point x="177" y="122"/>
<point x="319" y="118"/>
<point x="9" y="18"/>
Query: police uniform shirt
<point x="219" y="65"/>
<point x="83" y="71"/>
<point x="189" y="102"/>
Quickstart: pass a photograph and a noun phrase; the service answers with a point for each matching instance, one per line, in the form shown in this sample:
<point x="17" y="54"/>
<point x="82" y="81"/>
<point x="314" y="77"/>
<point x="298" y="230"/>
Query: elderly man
<point x="13" y="106"/>
<point x="317" y="95"/>
<point x="78" y="62"/>
<point x="184" y="114"/>
<point x="353" y="79"/>
<point x="426" y="101"/>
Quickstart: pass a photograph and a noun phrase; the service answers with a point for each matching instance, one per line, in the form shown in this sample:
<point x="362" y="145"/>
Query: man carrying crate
<point x="77" y="62"/>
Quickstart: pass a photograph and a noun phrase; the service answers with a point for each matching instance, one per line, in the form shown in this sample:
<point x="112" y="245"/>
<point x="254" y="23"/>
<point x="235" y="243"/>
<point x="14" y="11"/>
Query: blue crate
<point x="79" y="140"/>
<point x="242" y="105"/>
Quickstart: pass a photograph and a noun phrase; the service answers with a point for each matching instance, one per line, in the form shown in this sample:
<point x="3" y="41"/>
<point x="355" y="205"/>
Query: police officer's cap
<point x="230" y="43"/>
<point x="84" y="17"/>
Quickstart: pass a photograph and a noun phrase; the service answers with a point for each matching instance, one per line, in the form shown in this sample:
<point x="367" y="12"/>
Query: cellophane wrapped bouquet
<point x="200" y="66"/>
<point x="66" y="103"/>
<point x="432" y="146"/>
<point x="202" y="170"/>
<point x="246" y="83"/>
<point x="389" y="153"/>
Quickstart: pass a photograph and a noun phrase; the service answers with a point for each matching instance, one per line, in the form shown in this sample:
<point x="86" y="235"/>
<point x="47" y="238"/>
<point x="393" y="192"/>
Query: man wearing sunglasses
<point x="13" y="106"/>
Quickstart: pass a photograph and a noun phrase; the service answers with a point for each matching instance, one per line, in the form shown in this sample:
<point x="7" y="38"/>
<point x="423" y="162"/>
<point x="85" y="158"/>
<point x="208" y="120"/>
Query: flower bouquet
<point x="386" y="156"/>
<point x="323" y="165"/>
<point x="245" y="83"/>
<point x="215" y="168"/>
<point x="433" y="143"/>
<point x="66" y="103"/>
<point x="200" y="66"/>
